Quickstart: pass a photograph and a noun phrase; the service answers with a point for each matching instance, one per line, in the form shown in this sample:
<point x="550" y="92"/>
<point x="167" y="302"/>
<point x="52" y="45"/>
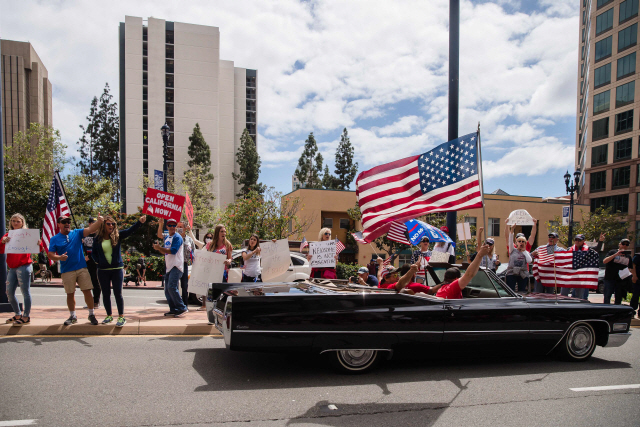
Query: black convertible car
<point x="355" y="326"/>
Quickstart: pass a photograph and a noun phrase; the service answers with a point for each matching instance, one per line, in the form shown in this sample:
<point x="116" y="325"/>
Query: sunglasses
<point x="171" y="225"/>
<point x="625" y="243"/>
<point x="110" y="224"/>
<point x="327" y="234"/>
<point x="65" y="221"/>
<point x="551" y="236"/>
<point x="522" y="241"/>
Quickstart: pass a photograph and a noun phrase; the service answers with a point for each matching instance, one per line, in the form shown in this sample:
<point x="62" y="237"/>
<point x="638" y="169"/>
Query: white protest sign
<point x="439" y="257"/>
<point x="464" y="231"/>
<point x="208" y="267"/>
<point x="275" y="259"/>
<point x="520" y="217"/>
<point x="23" y="241"/>
<point x="323" y="254"/>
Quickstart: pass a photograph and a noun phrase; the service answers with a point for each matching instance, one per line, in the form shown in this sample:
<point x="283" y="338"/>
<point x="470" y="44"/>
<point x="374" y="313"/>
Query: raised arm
<point x="479" y="233"/>
<point x="160" y="227"/>
<point x="93" y="228"/>
<point x="534" y="229"/>
<point x="129" y="231"/>
<point x="198" y="243"/>
<point x="473" y="267"/>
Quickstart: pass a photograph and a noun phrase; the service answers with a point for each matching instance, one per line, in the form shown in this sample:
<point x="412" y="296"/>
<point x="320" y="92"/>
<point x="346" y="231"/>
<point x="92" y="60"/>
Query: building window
<point x="344" y="223"/>
<point x="168" y="51"/>
<point x="404" y="259"/>
<point x="472" y="220"/>
<point x="169" y="122"/>
<point x="169" y="66"/>
<point x="600" y="129"/>
<point x="327" y="223"/>
<point x="144" y="34"/>
<point x="169" y="80"/>
<point x="603" y="48"/>
<point x="626" y="66"/>
<point x="602" y="76"/>
<point x="624" y="122"/>
<point x="169" y="95"/>
<point x="144" y="63"/>
<point x="604" y="22"/>
<point x="624" y="94"/>
<point x="599" y="155"/>
<point x="598" y="181"/>
<point x="601" y="102"/>
<point x="617" y="203"/>
<point x="169" y="110"/>
<point x="145" y="93"/>
<point x="627" y="37"/>
<point x="628" y="10"/>
<point x="621" y="177"/>
<point x="169" y="37"/>
<point x="622" y="150"/>
<point x="494" y="227"/>
<point x="603" y="3"/>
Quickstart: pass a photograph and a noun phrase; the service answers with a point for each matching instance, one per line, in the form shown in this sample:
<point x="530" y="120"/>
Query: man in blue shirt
<point x="174" y="262"/>
<point x="365" y="279"/>
<point x="66" y="247"/>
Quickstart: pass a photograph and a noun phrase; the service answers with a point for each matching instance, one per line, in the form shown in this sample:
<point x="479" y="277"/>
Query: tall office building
<point x="26" y="89"/>
<point x="607" y="127"/>
<point x="172" y="72"/>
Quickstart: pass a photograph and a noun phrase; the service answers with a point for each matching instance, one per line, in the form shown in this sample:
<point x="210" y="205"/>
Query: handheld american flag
<point x="56" y="206"/>
<point x="444" y="179"/>
<point x="573" y="269"/>
<point x="339" y="247"/>
<point x="303" y="244"/>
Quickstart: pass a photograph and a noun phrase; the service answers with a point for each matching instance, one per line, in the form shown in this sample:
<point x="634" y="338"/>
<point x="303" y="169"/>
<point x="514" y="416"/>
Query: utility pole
<point x="454" y="86"/>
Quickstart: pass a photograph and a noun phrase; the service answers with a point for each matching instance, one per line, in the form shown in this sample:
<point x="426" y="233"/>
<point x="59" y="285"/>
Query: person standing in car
<point x="422" y="255"/>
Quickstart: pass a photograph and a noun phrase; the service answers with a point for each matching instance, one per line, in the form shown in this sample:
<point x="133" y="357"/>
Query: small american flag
<point x="444" y="179"/>
<point x="358" y="237"/>
<point x="339" y="247"/>
<point x="56" y="206"/>
<point x="303" y="244"/>
<point x="389" y="260"/>
<point x="577" y="269"/>
<point x="397" y="233"/>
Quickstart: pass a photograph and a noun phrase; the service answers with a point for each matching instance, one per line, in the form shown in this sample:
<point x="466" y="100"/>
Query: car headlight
<point x="619" y="327"/>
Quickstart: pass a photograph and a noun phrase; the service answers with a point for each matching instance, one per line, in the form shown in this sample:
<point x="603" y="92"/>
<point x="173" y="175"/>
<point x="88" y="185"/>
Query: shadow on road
<point x="42" y="341"/>
<point x="226" y="370"/>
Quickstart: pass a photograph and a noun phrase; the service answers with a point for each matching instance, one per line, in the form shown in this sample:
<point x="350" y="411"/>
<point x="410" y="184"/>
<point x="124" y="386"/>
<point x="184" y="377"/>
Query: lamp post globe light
<point x="165" y="131"/>
<point x="572" y="188"/>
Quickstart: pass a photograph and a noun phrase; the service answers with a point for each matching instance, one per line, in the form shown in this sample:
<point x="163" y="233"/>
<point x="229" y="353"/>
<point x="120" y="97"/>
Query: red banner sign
<point x="163" y="205"/>
<point x="188" y="210"/>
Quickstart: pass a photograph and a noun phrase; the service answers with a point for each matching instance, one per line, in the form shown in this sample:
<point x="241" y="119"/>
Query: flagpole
<point x="484" y="215"/>
<point x="4" y="301"/>
<point x="64" y="193"/>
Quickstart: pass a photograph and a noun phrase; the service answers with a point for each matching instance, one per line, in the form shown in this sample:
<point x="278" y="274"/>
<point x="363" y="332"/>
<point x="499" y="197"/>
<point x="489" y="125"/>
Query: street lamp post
<point x="165" y="130"/>
<point x="572" y="188"/>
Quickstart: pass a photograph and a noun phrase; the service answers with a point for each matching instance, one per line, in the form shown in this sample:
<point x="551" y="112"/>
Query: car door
<point x="488" y="318"/>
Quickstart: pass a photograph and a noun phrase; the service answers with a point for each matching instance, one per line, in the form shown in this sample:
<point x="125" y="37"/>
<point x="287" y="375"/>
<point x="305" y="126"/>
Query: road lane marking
<point x="606" y="387"/>
<point x="17" y="423"/>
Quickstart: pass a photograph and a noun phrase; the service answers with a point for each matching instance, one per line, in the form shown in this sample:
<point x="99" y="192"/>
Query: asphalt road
<point x="179" y="381"/>
<point x="53" y="296"/>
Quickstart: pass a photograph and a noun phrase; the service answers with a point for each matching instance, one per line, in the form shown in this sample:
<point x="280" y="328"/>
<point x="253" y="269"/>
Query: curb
<point x="133" y="327"/>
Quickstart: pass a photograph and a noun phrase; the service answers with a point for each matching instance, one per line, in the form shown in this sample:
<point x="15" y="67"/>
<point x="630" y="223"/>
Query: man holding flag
<point x="66" y="247"/>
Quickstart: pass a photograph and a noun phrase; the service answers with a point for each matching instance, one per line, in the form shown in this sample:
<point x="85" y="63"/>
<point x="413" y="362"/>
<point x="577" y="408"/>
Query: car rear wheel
<point x="579" y="343"/>
<point x="354" y="361"/>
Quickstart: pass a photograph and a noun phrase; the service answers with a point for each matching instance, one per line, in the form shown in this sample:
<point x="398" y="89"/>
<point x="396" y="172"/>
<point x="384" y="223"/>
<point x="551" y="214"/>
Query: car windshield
<point x="483" y="285"/>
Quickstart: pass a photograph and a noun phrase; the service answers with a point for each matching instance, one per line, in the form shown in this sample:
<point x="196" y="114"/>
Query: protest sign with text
<point x="208" y="267"/>
<point x="520" y="217"/>
<point x="439" y="257"/>
<point x="275" y="259"/>
<point x="163" y="205"/>
<point x="188" y="209"/>
<point x="23" y="241"/>
<point x="323" y="254"/>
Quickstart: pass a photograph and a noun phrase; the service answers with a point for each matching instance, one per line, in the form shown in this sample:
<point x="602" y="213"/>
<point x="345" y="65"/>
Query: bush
<point x="344" y="271"/>
<point x="155" y="265"/>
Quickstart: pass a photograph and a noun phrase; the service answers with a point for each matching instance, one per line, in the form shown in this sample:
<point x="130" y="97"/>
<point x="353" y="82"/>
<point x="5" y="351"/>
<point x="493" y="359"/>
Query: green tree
<point x="27" y="194"/>
<point x="346" y="170"/>
<point x="197" y="183"/>
<point x="603" y="220"/>
<point x="199" y="151"/>
<point x="89" y="196"/>
<point x="249" y="165"/>
<point x="100" y="141"/>
<point x="270" y="215"/>
<point x="309" y="170"/>
<point x="328" y="180"/>
<point x="39" y="151"/>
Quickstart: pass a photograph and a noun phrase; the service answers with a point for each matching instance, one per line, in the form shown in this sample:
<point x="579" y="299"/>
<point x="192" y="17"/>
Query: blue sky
<point x="377" y="68"/>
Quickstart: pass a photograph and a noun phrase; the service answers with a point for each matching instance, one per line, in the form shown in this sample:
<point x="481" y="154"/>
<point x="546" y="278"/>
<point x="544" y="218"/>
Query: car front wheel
<point x="579" y="343"/>
<point x="354" y="361"/>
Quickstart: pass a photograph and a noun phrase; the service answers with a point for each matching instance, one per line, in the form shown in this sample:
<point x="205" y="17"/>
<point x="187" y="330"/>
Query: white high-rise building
<point x="172" y="72"/>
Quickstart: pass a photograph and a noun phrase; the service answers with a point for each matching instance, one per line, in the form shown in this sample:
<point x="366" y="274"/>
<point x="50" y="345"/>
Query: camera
<point x="353" y="279"/>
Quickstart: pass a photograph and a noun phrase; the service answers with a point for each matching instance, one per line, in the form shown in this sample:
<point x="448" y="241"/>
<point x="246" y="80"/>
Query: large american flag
<point x="444" y="179"/>
<point x="56" y="206"/>
<point x="577" y="269"/>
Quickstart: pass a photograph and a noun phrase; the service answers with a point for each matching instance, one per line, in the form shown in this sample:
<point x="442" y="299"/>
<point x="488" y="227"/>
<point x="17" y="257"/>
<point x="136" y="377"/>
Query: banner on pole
<point x="158" y="180"/>
<point x="275" y="259"/>
<point x="23" y="241"/>
<point x="322" y="254"/>
<point x="163" y="205"/>
<point x="208" y="267"/>
<point x="565" y="215"/>
<point x="464" y="231"/>
<point x="188" y="209"/>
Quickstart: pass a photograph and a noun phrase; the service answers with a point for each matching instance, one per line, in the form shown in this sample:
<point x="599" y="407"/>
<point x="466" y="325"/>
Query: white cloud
<point x="537" y="158"/>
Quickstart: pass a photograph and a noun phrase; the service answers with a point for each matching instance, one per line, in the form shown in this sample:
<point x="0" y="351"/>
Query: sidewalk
<point x="57" y="283"/>
<point x="140" y="321"/>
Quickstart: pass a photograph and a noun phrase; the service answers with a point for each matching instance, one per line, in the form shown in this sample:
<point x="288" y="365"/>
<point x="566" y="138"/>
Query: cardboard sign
<point x="439" y="257"/>
<point x="275" y="259"/>
<point x="208" y="267"/>
<point x="188" y="209"/>
<point x="323" y="254"/>
<point x="163" y="205"/>
<point x="464" y="231"/>
<point x="520" y="217"/>
<point x="23" y="241"/>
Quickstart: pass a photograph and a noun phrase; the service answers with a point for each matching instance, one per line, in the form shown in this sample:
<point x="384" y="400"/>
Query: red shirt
<point x="415" y="287"/>
<point x="16" y="260"/>
<point x="387" y="285"/>
<point x="450" y="291"/>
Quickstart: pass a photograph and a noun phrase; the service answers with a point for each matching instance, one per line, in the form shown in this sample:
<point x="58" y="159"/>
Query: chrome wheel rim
<point x="357" y="358"/>
<point x="580" y="340"/>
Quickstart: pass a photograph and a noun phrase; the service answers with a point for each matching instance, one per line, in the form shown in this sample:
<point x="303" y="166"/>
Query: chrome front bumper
<point x="616" y="340"/>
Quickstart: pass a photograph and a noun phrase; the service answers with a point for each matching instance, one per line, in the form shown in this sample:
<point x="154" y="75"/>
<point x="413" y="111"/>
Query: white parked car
<point x="299" y="269"/>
